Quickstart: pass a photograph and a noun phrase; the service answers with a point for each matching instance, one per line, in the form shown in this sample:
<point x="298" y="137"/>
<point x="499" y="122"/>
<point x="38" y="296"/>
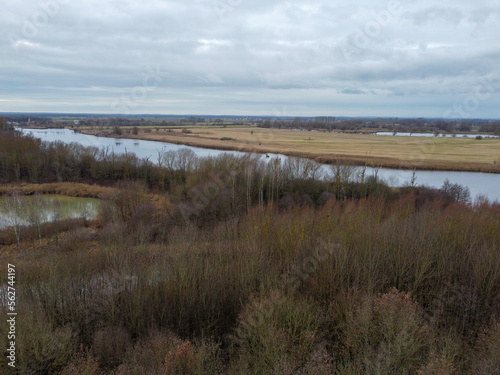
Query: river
<point x="486" y="184"/>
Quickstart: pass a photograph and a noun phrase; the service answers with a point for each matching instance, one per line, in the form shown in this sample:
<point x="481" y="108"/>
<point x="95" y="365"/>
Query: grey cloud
<point x="435" y="13"/>
<point x="252" y="58"/>
<point x="352" y="92"/>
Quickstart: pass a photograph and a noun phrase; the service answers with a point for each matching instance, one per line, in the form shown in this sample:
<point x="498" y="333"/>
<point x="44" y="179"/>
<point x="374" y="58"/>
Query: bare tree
<point x="457" y="192"/>
<point x="250" y="173"/>
<point x="275" y="178"/>
<point x="57" y="216"/>
<point x="302" y="168"/>
<point x="37" y="208"/>
<point x="169" y="161"/>
<point x="161" y="160"/>
<point x="261" y="188"/>
<point x="185" y="160"/>
<point x="14" y="207"/>
<point x="413" y="178"/>
<point x="342" y="176"/>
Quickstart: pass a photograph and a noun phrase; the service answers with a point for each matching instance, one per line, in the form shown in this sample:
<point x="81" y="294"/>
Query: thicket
<point x="242" y="267"/>
<point x="24" y="158"/>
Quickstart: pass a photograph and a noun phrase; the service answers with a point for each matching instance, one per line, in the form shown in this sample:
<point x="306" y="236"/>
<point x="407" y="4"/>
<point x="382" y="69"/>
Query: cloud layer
<point x="396" y="58"/>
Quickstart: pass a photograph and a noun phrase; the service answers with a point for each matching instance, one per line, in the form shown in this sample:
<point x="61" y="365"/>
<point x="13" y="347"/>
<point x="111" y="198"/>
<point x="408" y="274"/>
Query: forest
<point x="238" y="265"/>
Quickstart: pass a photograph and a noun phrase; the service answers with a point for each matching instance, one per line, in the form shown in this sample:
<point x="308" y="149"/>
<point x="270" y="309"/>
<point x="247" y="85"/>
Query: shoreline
<point x="69" y="189"/>
<point x="368" y="161"/>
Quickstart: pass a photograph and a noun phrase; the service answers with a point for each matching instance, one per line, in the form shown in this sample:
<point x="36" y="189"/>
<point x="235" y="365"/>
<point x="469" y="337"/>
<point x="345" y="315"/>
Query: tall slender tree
<point x="14" y="207"/>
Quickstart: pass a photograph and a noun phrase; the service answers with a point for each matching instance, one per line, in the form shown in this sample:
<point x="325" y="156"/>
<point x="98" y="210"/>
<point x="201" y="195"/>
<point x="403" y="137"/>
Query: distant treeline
<point x="412" y="125"/>
<point x="383" y="124"/>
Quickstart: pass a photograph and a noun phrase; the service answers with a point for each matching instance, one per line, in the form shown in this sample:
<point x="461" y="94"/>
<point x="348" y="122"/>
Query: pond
<point x="50" y="207"/>
<point x="487" y="184"/>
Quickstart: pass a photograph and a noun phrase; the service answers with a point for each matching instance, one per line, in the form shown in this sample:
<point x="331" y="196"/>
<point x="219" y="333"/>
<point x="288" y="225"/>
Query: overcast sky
<point x="252" y="57"/>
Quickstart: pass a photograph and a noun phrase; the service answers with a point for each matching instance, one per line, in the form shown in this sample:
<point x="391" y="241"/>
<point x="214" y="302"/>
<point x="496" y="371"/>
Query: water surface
<point x="52" y="207"/>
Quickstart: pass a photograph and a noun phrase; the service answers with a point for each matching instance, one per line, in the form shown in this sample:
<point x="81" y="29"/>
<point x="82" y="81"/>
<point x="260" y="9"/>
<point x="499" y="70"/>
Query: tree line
<point x="418" y="125"/>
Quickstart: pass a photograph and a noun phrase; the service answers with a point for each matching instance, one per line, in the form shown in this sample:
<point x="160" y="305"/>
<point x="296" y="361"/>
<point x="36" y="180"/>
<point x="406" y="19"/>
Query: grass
<point x="437" y="153"/>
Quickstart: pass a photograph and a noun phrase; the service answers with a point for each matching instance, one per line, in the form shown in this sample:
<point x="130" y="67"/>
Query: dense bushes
<point x="243" y="267"/>
<point x="301" y="290"/>
<point x="24" y="158"/>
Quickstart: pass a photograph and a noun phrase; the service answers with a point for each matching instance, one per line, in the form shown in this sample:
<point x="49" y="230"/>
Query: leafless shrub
<point x="109" y="346"/>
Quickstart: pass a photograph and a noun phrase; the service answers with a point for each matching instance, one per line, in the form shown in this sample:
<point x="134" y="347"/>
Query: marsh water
<point x="52" y="207"/>
<point x="486" y="184"/>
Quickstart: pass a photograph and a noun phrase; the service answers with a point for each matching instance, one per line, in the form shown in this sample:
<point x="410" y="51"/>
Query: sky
<point x="402" y="58"/>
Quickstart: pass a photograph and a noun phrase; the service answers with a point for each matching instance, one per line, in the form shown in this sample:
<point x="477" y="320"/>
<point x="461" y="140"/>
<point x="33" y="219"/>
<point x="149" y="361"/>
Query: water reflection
<point x="51" y="207"/>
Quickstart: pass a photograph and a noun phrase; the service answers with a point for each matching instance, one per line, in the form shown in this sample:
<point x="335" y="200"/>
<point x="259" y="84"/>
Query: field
<point x="437" y="153"/>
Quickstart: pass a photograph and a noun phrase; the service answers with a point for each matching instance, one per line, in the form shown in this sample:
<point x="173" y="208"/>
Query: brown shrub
<point x="275" y="331"/>
<point x="437" y="366"/>
<point x="387" y="333"/>
<point x="109" y="346"/>
<point x="84" y="363"/>
<point x="179" y="359"/>
<point x="487" y="359"/>
<point x="41" y="347"/>
<point x="166" y="354"/>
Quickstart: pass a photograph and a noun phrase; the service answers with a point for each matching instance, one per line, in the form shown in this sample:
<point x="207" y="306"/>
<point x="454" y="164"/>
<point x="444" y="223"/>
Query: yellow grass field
<point x="465" y="154"/>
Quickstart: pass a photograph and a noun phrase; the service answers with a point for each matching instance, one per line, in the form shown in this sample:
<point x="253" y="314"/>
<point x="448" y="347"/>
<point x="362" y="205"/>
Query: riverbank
<point x="420" y="153"/>
<point x="69" y="189"/>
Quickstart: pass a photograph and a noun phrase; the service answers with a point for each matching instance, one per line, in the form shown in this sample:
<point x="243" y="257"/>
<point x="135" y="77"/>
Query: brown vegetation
<point x="70" y="189"/>
<point x="235" y="266"/>
<point x="301" y="291"/>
